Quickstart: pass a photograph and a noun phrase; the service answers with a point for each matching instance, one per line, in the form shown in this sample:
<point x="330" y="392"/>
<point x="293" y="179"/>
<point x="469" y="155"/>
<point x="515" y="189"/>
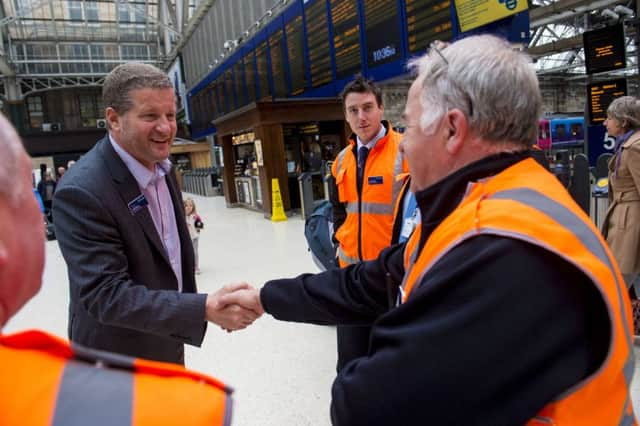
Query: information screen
<point x="241" y="98"/>
<point x="315" y="14"/>
<point x="250" y="76"/>
<point x="346" y="37"/>
<point x="600" y="97"/>
<point x="232" y="100"/>
<point x="295" y="50"/>
<point x="382" y="31"/>
<point x="212" y="104"/>
<point x="221" y="96"/>
<point x="263" y="71"/>
<point x="277" y="64"/>
<point x="427" y="20"/>
<point x="604" y="49"/>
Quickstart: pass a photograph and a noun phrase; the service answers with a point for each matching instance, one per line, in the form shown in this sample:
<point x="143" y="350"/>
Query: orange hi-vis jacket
<point x="369" y="222"/>
<point x="526" y="202"/>
<point x="46" y="381"/>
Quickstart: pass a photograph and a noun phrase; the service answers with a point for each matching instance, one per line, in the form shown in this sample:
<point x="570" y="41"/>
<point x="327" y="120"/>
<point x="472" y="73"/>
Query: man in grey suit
<point x="121" y="228"/>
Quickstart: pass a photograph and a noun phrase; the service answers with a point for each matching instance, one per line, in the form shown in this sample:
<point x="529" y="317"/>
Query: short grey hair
<point x="11" y="187"/>
<point x="125" y="78"/>
<point x="626" y="110"/>
<point x="494" y="85"/>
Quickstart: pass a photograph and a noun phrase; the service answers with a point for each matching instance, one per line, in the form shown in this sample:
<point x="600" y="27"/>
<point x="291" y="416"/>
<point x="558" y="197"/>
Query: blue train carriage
<point x="567" y="132"/>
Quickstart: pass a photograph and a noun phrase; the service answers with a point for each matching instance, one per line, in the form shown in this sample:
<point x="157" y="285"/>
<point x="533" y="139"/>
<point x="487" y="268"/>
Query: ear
<point x="456" y="129"/>
<point x="113" y="119"/>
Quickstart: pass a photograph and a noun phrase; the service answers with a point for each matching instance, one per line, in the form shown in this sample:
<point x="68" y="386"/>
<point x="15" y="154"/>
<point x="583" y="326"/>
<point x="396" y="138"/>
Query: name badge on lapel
<point x="137" y="204"/>
<point x="375" y="180"/>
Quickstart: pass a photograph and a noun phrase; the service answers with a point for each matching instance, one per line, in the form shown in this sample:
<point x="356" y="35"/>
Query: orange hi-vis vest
<point x="369" y="222"/>
<point x="46" y="381"/>
<point x="527" y="203"/>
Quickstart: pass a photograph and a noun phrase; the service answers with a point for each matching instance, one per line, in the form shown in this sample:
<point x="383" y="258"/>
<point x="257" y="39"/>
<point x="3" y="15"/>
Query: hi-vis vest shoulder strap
<point x="369" y="222"/>
<point x="526" y="202"/>
<point x="46" y="381"/>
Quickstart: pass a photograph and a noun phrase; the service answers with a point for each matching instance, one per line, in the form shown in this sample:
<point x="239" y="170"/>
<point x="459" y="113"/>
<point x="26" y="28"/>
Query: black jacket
<point x="494" y="331"/>
<point x="123" y="291"/>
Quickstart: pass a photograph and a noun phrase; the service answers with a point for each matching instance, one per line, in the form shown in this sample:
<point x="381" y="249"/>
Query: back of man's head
<point x="128" y="77"/>
<point x="361" y="85"/>
<point x="21" y="226"/>
<point x="494" y="86"/>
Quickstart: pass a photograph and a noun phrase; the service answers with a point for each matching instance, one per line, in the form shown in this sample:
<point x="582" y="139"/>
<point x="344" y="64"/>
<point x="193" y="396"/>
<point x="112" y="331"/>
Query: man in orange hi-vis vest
<point x="511" y="308"/>
<point x="365" y="192"/>
<point x="46" y="381"/>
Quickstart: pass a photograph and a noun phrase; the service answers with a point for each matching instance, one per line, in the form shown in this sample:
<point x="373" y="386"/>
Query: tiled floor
<point x="282" y="372"/>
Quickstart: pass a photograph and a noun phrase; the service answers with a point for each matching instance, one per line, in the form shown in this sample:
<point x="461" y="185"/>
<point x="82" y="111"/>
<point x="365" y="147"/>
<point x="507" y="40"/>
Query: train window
<point x="576" y="130"/>
<point x="561" y="131"/>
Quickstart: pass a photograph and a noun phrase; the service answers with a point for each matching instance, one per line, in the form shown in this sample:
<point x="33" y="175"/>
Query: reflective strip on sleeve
<point x="89" y="395"/>
<point x="345" y="258"/>
<point x="370" y="208"/>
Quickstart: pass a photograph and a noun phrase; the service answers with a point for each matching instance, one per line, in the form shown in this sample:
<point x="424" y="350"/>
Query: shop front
<point x="278" y="140"/>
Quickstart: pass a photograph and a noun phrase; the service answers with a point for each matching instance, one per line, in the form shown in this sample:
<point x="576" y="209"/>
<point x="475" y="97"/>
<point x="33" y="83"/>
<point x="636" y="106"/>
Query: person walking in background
<point x="46" y="188"/>
<point x="621" y="226"/>
<point x="511" y="309"/>
<point x="122" y="232"/>
<point x="195" y="225"/>
<point x="366" y="189"/>
<point x="46" y="381"/>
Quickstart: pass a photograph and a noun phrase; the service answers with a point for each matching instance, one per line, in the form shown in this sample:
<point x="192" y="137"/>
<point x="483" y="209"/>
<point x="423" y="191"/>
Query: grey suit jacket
<point x="123" y="291"/>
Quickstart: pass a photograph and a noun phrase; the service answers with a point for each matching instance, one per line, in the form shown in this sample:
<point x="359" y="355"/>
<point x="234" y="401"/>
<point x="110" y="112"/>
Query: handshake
<point x="234" y="306"/>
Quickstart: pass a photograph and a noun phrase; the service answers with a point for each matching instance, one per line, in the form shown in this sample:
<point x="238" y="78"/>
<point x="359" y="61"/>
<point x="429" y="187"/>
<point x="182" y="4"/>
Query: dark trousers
<point x="353" y="342"/>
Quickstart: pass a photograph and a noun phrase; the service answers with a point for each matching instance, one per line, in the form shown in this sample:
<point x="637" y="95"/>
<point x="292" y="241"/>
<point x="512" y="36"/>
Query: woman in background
<point x="621" y="226"/>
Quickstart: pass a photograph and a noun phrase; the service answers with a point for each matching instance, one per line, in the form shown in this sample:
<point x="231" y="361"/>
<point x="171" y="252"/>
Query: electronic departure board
<point x="263" y="71"/>
<point x="315" y="14"/>
<point x="221" y="96"/>
<point x="232" y="99"/>
<point x="241" y="98"/>
<point x="346" y="37"/>
<point x="604" y="49"/>
<point x="295" y="50"/>
<point x="277" y="64"/>
<point x="250" y="76"/>
<point x="427" y="20"/>
<point x="601" y="95"/>
<point x="382" y="31"/>
<point x="211" y="101"/>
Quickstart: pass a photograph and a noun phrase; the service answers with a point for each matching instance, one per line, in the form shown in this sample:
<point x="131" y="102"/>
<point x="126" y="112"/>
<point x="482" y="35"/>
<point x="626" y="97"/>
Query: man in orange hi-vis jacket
<point x="46" y="381"/>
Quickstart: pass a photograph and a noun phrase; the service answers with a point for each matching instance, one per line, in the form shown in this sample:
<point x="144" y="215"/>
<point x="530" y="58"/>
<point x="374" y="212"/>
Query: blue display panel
<point x="318" y="42"/>
<point x="316" y="46"/>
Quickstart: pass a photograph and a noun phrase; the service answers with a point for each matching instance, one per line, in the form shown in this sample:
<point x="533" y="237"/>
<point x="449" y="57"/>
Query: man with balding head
<point x="121" y="228"/>
<point x="510" y="307"/>
<point x="46" y="381"/>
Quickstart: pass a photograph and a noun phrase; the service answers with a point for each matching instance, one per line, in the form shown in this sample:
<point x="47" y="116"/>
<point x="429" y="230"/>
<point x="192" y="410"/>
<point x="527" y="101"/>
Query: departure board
<point x="315" y="14"/>
<point x="263" y="71"/>
<point x="212" y="107"/>
<point x="382" y="31"/>
<point x="604" y="49"/>
<point x="232" y="100"/>
<point x="250" y="76"/>
<point x="427" y="20"/>
<point x="221" y="96"/>
<point x="601" y="95"/>
<point x="295" y="50"/>
<point x="238" y="72"/>
<point x="277" y="64"/>
<point x="346" y="37"/>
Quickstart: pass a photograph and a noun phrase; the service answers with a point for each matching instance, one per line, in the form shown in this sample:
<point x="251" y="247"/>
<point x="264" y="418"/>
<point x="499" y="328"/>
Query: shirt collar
<point x="141" y="174"/>
<point x="381" y="134"/>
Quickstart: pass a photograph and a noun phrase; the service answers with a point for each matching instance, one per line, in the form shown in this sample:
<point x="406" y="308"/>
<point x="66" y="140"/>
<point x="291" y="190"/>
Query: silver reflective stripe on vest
<point x="341" y="158"/>
<point x="586" y="236"/>
<point x="89" y="395"/>
<point x="628" y="417"/>
<point x="370" y="208"/>
<point x="345" y="258"/>
<point x="397" y="184"/>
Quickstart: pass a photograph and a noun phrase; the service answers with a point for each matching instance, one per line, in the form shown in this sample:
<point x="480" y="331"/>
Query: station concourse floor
<point x="281" y="372"/>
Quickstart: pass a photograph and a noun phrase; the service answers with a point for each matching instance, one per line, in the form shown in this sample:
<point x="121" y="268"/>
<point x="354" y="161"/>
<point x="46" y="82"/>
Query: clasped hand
<point x="234" y="306"/>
